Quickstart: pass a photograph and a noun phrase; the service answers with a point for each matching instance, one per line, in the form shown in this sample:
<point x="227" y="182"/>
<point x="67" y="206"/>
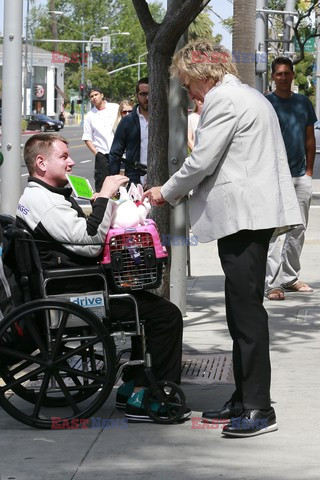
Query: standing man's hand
<point x="111" y="185"/>
<point x="91" y="147"/>
<point x="154" y="196"/>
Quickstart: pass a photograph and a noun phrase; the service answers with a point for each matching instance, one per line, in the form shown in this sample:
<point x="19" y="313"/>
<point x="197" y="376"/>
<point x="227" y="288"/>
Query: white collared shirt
<point x="143" y="141"/>
<point x="98" y="126"/>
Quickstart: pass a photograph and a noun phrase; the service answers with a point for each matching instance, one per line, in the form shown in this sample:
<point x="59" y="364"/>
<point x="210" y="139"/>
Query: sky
<point x="221" y="7"/>
<point x="224" y="9"/>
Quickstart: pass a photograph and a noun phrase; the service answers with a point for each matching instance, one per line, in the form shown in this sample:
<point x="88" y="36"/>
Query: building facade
<point x="42" y="82"/>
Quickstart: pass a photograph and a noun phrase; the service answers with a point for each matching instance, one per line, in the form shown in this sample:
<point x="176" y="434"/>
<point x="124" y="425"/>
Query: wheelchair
<point x="58" y="354"/>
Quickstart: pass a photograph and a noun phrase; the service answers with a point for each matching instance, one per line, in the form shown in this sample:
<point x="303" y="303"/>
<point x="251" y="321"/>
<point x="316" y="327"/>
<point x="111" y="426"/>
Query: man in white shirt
<point x="131" y="137"/>
<point x="97" y="133"/>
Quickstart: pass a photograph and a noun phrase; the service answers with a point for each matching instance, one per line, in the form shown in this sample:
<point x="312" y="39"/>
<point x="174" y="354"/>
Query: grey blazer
<point x="238" y="170"/>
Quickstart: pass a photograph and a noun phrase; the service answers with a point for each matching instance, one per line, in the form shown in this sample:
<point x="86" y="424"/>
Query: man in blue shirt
<point x="296" y="117"/>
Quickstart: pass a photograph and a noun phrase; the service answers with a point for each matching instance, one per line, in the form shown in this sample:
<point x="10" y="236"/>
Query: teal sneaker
<point x="135" y="411"/>
<point x="124" y="392"/>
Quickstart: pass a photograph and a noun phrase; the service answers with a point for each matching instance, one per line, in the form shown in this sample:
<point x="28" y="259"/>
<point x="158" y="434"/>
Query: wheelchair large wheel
<point x="166" y="404"/>
<point x="68" y="371"/>
<point x="29" y="392"/>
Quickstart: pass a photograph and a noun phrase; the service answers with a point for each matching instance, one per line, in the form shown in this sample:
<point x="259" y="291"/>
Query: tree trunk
<point x="243" y="39"/>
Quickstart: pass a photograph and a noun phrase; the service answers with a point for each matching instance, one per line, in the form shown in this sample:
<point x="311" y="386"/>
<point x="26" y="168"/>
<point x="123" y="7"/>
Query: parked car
<point x="43" y="123"/>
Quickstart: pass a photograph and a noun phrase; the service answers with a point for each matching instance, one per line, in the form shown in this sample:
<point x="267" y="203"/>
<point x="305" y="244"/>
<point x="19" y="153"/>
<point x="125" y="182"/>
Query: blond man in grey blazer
<point x="242" y="191"/>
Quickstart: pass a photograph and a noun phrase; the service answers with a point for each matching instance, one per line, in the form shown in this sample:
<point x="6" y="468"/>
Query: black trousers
<point x="163" y="329"/>
<point x="243" y="258"/>
<point x="101" y="169"/>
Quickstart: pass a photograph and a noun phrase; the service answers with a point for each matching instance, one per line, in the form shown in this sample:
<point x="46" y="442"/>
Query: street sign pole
<point x="11" y="106"/>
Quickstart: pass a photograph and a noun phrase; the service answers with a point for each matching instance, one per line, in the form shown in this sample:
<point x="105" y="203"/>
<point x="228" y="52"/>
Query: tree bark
<point x="243" y="39"/>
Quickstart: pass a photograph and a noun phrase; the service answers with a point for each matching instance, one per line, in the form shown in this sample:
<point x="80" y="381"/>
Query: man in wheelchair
<point x="66" y="238"/>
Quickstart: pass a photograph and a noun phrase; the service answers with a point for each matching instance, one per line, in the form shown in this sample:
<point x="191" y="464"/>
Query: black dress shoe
<point x="251" y="423"/>
<point x="229" y="410"/>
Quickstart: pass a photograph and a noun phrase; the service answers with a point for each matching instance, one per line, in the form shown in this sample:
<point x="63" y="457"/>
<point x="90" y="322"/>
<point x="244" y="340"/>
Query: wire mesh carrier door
<point x="133" y="258"/>
<point x="60" y="370"/>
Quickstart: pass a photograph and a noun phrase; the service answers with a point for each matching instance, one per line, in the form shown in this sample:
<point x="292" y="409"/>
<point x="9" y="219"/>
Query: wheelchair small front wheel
<point x="166" y="404"/>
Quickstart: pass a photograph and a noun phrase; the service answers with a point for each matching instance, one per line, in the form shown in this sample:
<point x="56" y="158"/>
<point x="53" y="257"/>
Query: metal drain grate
<point x="207" y="368"/>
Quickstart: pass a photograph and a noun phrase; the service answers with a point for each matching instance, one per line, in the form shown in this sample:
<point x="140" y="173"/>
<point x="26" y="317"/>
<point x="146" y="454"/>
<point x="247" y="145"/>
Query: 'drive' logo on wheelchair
<point x="88" y="301"/>
<point x="94" y="301"/>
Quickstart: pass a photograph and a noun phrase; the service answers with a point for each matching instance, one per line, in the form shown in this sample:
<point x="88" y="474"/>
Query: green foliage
<point x="83" y="19"/>
<point x="24" y="124"/>
<point x="202" y="26"/>
<point x="228" y="24"/>
<point x="304" y="75"/>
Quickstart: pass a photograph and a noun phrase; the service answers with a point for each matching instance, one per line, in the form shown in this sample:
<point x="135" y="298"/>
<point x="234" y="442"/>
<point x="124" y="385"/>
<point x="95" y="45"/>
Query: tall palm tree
<point x="243" y="39"/>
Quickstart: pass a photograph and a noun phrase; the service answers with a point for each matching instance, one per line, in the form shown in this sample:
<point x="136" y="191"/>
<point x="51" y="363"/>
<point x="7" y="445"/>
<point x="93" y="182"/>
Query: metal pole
<point x="177" y="152"/>
<point x="82" y="75"/>
<point x="26" y="62"/>
<point x="139" y="63"/>
<point x="261" y="46"/>
<point x="126" y="66"/>
<point x="11" y="106"/>
<point x="31" y="72"/>
<point x="318" y="67"/>
<point x="288" y="22"/>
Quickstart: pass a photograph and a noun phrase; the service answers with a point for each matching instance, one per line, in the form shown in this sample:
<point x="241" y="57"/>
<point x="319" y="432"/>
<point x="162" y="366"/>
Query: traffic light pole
<point x="82" y="75"/>
<point x="31" y="73"/>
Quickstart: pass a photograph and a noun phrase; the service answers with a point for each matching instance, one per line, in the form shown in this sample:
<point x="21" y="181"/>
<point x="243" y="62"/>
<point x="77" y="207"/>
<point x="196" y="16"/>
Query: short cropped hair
<point x="202" y="60"/>
<point x="144" y="81"/>
<point x="40" y="143"/>
<point x="281" y="61"/>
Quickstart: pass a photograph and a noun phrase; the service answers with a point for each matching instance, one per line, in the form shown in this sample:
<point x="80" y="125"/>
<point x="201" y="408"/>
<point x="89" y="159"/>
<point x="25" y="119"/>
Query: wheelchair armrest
<point x="73" y="272"/>
<point x="77" y="276"/>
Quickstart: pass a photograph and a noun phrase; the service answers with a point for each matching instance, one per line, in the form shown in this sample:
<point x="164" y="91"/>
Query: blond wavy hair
<point x="202" y="60"/>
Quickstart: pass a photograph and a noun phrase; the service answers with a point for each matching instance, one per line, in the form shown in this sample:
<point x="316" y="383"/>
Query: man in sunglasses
<point x="131" y="138"/>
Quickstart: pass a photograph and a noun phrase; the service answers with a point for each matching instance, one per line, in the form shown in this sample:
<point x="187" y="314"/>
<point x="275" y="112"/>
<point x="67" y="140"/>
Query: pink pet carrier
<point x="134" y="257"/>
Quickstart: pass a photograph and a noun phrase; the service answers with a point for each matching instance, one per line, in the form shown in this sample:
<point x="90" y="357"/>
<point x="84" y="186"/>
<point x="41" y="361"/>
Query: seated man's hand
<point x="111" y="185"/>
<point x="154" y="196"/>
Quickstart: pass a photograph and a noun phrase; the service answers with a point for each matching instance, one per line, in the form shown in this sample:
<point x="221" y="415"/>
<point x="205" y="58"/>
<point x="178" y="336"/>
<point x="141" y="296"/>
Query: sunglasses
<point x="186" y="87"/>
<point x="124" y="112"/>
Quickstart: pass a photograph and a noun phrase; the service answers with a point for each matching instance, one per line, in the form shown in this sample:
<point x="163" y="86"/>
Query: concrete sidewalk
<point x="183" y="451"/>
